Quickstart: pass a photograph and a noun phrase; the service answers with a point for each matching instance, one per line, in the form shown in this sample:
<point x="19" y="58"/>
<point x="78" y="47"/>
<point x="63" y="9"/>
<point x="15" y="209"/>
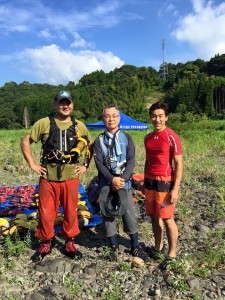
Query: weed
<point x="213" y="253"/>
<point x="115" y="293"/>
<point x="124" y="266"/>
<point x="19" y="280"/>
<point x="200" y="272"/>
<point x="74" y="287"/>
<point x="92" y="293"/>
<point x="196" y="296"/>
<point x="179" y="283"/>
<point x="183" y="209"/>
<point x="15" y="246"/>
<point x="182" y="265"/>
<point x="221" y="194"/>
<point x="106" y="251"/>
<point x="10" y="263"/>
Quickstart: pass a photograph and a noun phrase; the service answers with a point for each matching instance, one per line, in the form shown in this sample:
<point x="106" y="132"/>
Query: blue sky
<point x="54" y="41"/>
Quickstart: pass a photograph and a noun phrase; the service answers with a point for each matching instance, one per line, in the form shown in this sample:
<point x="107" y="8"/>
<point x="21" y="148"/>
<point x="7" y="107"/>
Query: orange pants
<point x="157" y="196"/>
<point x="51" y="194"/>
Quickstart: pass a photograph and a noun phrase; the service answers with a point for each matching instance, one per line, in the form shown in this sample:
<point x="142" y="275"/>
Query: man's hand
<point x="39" y="169"/>
<point x="118" y="183"/>
<point x="174" y="196"/>
<point x="80" y="170"/>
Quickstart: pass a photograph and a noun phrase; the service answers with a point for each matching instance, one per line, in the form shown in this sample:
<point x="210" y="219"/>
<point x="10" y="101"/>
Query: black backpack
<point x="93" y="193"/>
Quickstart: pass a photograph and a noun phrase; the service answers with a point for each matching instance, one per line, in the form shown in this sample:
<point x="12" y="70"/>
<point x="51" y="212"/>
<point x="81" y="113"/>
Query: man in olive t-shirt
<point x="59" y="182"/>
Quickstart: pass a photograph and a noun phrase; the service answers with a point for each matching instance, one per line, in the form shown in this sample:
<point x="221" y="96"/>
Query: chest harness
<point x="63" y="146"/>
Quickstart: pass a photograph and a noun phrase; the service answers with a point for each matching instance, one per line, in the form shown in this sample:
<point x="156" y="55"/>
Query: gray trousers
<point x="130" y="223"/>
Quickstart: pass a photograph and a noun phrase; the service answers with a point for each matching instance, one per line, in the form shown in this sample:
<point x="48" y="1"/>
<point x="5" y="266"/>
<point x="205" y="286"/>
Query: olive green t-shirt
<point x="40" y="132"/>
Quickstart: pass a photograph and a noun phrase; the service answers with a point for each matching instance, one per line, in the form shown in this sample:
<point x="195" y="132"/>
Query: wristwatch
<point x="86" y="165"/>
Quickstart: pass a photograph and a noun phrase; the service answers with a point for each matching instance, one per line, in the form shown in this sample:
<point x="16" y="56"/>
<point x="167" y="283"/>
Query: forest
<point x="196" y="88"/>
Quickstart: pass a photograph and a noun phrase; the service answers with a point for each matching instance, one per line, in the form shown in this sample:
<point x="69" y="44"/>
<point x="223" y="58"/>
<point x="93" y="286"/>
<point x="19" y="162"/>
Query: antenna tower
<point x="164" y="67"/>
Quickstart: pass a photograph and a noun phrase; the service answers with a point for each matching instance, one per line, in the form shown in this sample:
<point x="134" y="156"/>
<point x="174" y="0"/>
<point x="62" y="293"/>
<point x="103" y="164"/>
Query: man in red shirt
<point x="163" y="173"/>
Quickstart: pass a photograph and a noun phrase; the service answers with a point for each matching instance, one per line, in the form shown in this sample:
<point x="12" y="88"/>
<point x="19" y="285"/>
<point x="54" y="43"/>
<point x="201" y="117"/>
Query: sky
<point x="55" y="41"/>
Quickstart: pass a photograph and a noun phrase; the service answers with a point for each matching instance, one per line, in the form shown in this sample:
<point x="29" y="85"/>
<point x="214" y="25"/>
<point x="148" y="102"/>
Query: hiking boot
<point x="168" y="264"/>
<point x="155" y="254"/>
<point x="70" y="250"/>
<point x="45" y="249"/>
<point x="138" y="252"/>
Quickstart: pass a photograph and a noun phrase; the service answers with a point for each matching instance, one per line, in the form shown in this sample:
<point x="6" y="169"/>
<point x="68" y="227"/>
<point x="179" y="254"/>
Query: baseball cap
<point x="63" y="95"/>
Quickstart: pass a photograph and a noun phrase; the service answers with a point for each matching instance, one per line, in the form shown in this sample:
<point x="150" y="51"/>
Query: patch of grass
<point x="183" y="266"/>
<point x="19" y="280"/>
<point x="196" y="296"/>
<point x="200" y="272"/>
<point x="15" y="247"/>
<point x="105" y="252"/>
<point x="212" y="253"/>
<point x="10" y="263"/>
<point x="124" y="266"/>
<point x="115" y="293"/>
<point x="179" y="283"/>
<point x="183" y="208"/>
<point x="74" y="287"/>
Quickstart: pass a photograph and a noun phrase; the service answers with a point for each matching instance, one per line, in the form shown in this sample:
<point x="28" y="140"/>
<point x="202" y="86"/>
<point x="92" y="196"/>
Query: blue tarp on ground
<point x="20" y="198"/>
<point x="126" y="123"/>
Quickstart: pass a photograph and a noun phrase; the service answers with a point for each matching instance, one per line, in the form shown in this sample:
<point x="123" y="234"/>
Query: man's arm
<point x="81" y="169"/>
<point x="178" y="169"/>
<point x="83" y="131"/>
<point x="130" y="164"/>
<point x="26" y="149"/>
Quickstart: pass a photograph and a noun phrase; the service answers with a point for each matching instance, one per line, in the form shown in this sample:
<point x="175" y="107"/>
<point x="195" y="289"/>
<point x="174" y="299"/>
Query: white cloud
<point x="203" y="28"/>
<point x="79" y="42"/>
<point x="171" y="8"/>
<point x="50" y="64"/>
<point x="37" y="16"/>
<point x="45" y="34"/>
<point x="5" y="58"/>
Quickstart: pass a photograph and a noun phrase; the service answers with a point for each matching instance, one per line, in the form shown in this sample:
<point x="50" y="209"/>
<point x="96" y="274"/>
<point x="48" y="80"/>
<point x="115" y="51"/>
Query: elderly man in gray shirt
<point x="114" y="155"/>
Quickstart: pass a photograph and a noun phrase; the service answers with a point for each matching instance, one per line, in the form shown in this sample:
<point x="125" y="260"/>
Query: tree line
<point x="196" y="87"/>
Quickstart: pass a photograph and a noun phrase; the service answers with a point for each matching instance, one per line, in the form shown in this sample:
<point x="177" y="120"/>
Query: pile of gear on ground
<point x="19" y="206"/>
<point x="19" y="210"/>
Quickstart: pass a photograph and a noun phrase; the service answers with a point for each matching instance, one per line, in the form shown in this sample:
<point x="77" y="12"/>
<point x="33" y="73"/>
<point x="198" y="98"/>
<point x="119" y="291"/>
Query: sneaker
<point x="45" y="249"/>
<point x="168" y="264"/>
<point x="155" y="254"/>
<point x="138" y="252"/>
<point x="70" y="250"/>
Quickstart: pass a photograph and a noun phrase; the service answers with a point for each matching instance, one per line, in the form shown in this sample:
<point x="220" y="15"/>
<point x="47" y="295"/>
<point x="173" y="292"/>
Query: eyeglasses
<point x="113" y="117"/>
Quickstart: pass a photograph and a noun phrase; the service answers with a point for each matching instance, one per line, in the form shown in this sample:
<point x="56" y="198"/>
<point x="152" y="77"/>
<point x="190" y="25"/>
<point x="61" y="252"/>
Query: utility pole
<point x="163" y="67"/>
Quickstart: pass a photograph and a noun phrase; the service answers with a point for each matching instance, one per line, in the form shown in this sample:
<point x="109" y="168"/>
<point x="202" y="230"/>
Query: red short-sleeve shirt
<point x="160" y="148"/>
